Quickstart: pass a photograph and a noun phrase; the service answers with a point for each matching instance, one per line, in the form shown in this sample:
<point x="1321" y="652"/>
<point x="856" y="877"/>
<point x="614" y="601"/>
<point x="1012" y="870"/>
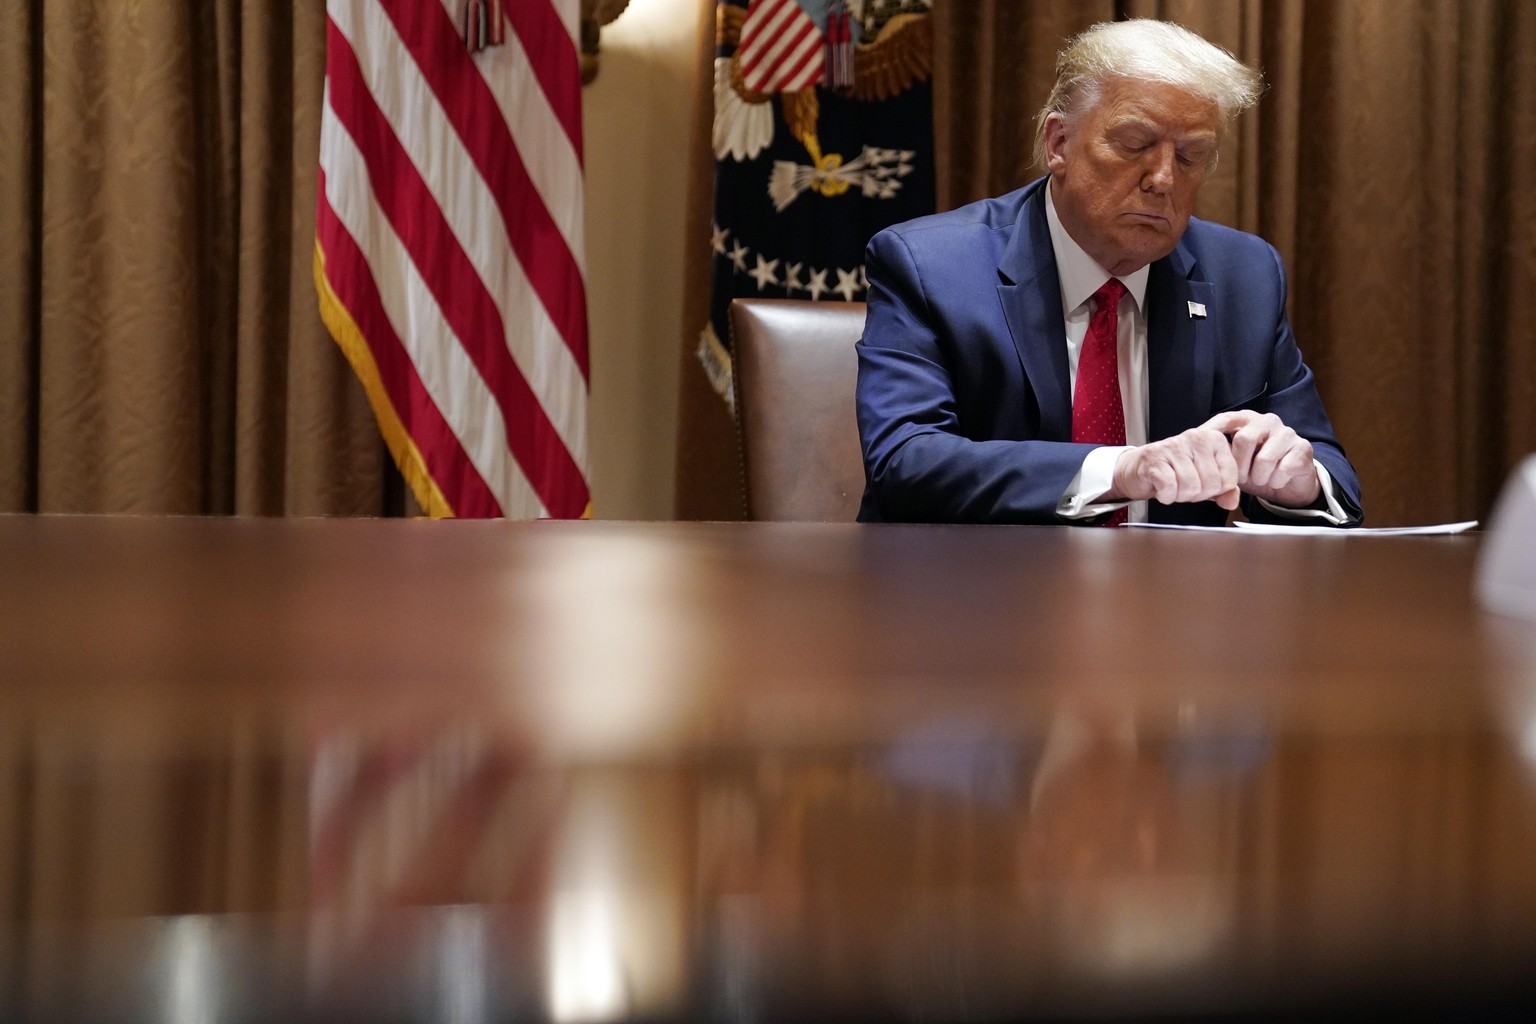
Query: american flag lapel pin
<point x="1197" y="311"/>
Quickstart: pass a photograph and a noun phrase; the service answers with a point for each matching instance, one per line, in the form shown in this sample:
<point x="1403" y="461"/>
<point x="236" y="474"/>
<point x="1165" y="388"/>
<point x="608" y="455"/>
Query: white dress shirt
<point x="1080" y="277"/>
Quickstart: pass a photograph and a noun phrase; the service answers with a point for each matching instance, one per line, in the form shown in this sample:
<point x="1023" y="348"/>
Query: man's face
<point x="1125" y="171"/>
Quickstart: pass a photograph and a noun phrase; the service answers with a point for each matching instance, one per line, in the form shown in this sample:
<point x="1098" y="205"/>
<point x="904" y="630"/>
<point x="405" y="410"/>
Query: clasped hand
<point x="1230" y="454"/>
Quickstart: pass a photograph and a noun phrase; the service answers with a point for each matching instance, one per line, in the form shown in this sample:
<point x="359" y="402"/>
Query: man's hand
<point x="1233" y="452"/>
<point x="1197" y="465"/>
<point x="1273" y="461"/>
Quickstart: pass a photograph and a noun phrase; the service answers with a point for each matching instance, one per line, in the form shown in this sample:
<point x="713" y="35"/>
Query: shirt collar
<point x="1079" y="275"/>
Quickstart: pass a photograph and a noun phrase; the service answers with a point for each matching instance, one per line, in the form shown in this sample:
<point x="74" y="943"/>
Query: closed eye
<point x="1189" y="156"/>
<point x="1132" y="141"/>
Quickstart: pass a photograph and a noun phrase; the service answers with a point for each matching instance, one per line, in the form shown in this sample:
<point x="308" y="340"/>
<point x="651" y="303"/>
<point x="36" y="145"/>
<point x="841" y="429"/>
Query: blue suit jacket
<point x="963" y="403"/>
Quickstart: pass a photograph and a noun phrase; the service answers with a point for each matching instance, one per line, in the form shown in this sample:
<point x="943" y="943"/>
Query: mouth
<point x="1147" y="218"/>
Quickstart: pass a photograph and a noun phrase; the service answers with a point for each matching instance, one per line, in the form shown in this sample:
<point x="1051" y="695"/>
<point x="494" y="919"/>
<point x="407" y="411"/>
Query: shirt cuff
<point x="1333" y="515"/>
<point x="1093" y="480"/>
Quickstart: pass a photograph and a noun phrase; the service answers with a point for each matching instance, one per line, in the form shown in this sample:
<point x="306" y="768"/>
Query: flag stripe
<point x="456" y="284"/>
<point x="765" y="47"/>
<point x="765" y="16"/>
<point x="447" y="374"/>
<point x="553" y="166"/>
<point x="558" y="68"/>
<point x="570" y="19"/>
<point x="449" y="245"/>
<point x="348" y="273"/>
<point x="803" y="67"/>
<point x="466" y="200"/>
<point x="466" y="99"/>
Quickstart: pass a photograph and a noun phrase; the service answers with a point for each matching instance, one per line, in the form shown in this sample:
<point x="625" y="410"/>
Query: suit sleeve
<point x="931" y="453"/>
<point x="1293" y="397"/>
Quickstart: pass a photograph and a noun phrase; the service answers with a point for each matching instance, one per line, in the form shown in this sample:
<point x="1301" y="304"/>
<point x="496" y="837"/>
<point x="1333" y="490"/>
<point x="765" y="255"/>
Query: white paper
<point x="1360" y="531"/>
<point x="1175" y="526"/>
<point x="1267" y="529"/>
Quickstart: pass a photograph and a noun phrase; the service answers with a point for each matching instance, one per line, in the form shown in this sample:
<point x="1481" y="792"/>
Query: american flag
<point x="781" y="49"/>
<point x="449" y="254"/>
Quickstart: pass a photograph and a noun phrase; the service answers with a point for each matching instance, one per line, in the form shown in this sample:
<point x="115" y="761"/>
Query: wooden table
<point x="308" y="769"/>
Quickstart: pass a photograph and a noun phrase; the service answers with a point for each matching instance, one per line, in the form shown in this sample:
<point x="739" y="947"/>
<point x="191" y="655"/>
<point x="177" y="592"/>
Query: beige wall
<point x="637" y="117"/>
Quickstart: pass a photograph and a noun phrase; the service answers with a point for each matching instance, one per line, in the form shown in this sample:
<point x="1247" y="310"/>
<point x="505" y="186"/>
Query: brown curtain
<point x="1391" y="163"/>
<point x="160" y="349"/>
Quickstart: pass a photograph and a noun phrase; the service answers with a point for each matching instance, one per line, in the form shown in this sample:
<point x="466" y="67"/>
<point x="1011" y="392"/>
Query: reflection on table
<point x="589" y="772"/>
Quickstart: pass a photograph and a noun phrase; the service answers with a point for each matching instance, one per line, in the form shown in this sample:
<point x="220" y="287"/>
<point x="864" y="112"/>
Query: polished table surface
<point x="386" y="770"/>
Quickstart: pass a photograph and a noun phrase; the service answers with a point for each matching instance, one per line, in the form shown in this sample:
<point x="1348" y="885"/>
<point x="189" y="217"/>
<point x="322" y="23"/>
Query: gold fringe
<point x="717" y="365"/>
<point x="406" y="455"/>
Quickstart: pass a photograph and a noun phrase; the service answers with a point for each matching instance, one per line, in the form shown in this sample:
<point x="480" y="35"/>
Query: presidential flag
<point x="822" y="135"/>
<point x="448" y="251"/>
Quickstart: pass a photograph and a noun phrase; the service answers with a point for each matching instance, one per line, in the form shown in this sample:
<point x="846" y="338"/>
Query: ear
<point x="1055" y="142"/>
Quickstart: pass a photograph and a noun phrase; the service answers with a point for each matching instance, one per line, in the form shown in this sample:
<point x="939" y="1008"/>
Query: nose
<point x="1157" y="174"/>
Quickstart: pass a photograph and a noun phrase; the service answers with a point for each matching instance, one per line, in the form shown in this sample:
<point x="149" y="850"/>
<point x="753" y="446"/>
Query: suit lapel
<point x="1181" y="348"/>
<point x="1030" y="294"/>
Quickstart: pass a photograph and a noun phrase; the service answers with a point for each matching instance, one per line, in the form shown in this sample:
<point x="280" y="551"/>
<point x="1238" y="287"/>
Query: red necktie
<point x="1098" y="417"/>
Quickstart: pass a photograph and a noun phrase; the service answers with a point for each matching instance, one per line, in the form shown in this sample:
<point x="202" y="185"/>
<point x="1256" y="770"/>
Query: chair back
<point x="794" y="370"/>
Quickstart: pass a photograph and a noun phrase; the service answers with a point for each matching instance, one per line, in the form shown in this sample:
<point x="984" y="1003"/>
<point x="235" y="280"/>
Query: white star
<point x="738" y="256"/>
<point x="792" y="277"/>
<point x="818" y="283"/>
<point x="717" y="238"/>
<point x="765" y="273"/>
<point x="847" y="283"/>
<point x="863" y="279"/>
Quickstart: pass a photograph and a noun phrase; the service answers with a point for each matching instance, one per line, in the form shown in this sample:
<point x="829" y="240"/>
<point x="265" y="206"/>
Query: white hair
<point x="1147" y="51"/>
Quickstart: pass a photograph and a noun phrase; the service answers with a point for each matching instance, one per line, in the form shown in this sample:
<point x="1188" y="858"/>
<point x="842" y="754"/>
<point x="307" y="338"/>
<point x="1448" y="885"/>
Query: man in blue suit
<point x="1083" y="350"/>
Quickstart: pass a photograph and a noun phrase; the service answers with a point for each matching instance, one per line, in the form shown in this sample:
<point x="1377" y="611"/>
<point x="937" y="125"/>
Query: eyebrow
<point x="1131" y="121"/>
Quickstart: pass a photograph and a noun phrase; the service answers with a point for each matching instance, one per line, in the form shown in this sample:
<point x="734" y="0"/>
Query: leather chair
<point x="794" y="369"/>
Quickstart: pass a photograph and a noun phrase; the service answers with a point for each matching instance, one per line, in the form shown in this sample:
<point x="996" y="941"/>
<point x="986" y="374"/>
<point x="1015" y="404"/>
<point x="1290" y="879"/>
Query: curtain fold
<point x="20" y="196"/>
<point x="160" y="347"/>
<point x="1389" y="161"/>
